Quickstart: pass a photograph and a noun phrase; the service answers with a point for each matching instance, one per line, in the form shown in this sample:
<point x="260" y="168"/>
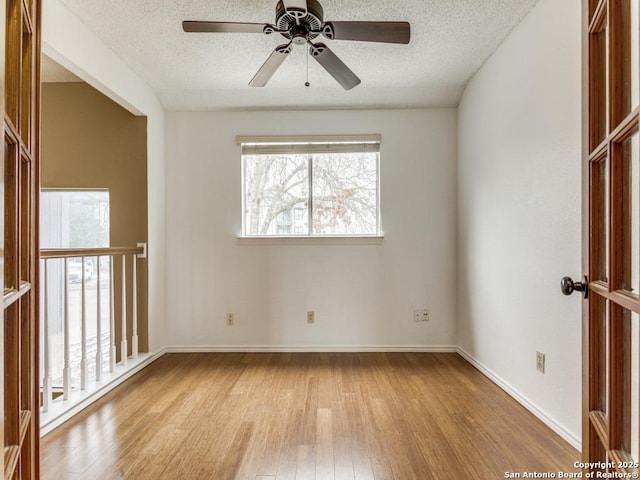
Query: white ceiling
<point x="450" y="39"/>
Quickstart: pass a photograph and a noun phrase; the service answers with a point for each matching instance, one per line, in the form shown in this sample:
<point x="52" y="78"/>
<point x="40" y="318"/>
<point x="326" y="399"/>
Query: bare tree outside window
<point x="345" y="194"/>
<point x="340" y="188"/>
<point x="275" y="184"/>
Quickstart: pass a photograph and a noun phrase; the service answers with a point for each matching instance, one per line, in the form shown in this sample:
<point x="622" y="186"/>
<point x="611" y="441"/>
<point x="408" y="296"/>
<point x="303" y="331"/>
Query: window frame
<point x="309" y="145"/>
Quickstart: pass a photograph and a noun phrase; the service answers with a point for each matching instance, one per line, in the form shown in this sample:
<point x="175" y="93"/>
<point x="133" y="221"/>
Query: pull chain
<point x="307" y="84"/>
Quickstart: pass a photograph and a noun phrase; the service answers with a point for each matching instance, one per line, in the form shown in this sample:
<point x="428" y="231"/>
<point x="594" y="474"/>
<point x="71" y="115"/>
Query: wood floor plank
<point x="306" y="465"/>
<point x="343" y="458"/>
<point x="382" y="469"/>
<point x="325" y="462"/>
<point x="342" y="416"/>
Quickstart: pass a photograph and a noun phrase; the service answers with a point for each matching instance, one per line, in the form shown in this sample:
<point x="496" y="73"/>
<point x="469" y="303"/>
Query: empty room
<point x="310" y="239"/>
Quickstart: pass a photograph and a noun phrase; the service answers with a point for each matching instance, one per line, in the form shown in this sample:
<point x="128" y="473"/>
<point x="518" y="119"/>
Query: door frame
<point x="609" y="121"/>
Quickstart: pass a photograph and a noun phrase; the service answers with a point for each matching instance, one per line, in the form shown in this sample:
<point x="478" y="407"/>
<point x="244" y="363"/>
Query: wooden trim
<point x="606" y="41"/>
<point x="88" y="252"/>
<point x="597" y="84"/>
<point x="616" y="220"/>
<point x="600" y="153"/>
<point x="586" y="170"/>
<point x="597" y="344"/>
<point x="21" y="127"/>
<point x="12" y="296"/>
<point x="600" y="425"/>
<point x="26" y="17"/>
<point x="627" y="127"/>
<point x="35" y="156"/>
<point x="11" y="456"/>
<point x="11" y="206"/>
<point x="3" y="134"/>
<point x="620" y="217"/>
<point x="11" y="372"/>
<point x="620" y="456"/>
<point x="10" y="131"/>
<point x="599" y="17"/>
<point x="619" y="69"/>
<point x="598" y="232"/>
<point x="601" y="288"/>
<point x="25" y="420"/>
<point x="600" y="150"/>
<point x="619" y="414"/>
<point x="25" y="155"/>
<point x="13" y="60"/>
<point x="625" y="299"/>
<point x="621" y="297"/>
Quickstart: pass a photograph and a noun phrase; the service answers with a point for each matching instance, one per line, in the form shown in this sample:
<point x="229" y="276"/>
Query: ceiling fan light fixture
<point x="299" y="35"/>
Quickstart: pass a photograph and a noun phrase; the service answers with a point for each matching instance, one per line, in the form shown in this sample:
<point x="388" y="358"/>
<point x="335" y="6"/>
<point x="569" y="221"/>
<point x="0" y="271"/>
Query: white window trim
<point x="310" y="240"/>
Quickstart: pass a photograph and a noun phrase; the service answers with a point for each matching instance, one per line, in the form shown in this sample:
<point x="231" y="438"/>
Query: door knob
<point x="568" y="286"/>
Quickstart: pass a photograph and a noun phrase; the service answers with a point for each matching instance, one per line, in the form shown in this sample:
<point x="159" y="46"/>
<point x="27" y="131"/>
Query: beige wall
<point x="88" y="141"/>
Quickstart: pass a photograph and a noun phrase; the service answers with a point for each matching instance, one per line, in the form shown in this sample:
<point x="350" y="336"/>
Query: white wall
<point x="71" y="44"/>
<point x="363" y="295"/>
<point x="519" y="213"/>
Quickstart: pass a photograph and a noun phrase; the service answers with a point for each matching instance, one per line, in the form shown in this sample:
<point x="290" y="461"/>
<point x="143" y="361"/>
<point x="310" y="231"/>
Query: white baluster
<point x="134" y="307"/>
<point x="123" y="344"/>
<point x="66" y="370"/>
<point x="46" y="381"/>
<point x="112" y="319"/>
<point x="98" y="327"/>
<point x="83" y="361"/>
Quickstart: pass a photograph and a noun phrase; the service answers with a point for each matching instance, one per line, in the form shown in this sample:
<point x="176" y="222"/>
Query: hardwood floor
<point x="318" y="416"/>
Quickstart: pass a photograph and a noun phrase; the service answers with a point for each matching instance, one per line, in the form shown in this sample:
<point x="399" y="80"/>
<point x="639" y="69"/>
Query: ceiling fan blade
<point x="295" y="5"/>
<point x="272" y="64"/>
<point x="222" y="27"/>
<point x="332" y="64"/>
<point x="386" y="32"/>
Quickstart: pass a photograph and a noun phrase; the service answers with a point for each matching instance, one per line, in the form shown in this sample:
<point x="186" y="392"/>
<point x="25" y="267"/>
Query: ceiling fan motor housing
<point x="300" y="24"/>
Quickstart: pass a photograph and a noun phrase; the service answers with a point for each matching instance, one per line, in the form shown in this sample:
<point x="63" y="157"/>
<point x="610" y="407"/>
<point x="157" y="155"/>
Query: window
<point x="74" y="218"/>
<point x="310" y="186"/>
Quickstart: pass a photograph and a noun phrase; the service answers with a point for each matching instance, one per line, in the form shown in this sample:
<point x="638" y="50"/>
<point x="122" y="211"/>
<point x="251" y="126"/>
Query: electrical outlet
<point x="310" y="317"/>
<point x="540" y="362"/>
<point x="229" y="318"/>
<point x="421" y="315"/>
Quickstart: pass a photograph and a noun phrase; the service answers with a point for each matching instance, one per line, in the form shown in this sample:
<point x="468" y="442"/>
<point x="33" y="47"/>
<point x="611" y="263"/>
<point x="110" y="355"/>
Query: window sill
<point x="355" y="240"/>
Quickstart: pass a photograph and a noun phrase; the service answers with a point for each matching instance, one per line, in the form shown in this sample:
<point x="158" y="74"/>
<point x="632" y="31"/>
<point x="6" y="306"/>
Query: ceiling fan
<point x="301" y="21"/>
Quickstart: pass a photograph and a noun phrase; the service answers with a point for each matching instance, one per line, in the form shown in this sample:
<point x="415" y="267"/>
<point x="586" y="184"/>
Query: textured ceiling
<point x="450" y="39"/>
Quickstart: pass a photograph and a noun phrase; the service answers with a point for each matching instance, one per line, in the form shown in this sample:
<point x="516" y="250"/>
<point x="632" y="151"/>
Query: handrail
<point x="88" y="252"/>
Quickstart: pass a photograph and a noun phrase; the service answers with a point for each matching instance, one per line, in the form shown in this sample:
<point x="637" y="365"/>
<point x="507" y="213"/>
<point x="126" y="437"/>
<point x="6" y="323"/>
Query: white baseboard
<point x="60" y="411"/>
<point x="309" y="348"/>
<point x="539" y="413"/>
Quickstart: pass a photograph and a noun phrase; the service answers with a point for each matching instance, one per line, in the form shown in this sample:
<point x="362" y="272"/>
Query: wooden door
<point x="611" y="246"/>
<point x="21" y="107"/>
